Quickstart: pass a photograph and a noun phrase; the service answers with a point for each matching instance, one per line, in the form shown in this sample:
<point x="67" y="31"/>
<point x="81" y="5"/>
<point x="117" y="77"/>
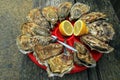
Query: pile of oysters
<point x="36" y="37"/>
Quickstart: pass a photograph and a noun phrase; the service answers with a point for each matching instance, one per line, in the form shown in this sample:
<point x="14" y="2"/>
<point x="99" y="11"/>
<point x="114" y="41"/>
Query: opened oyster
<point x="48" y="51"/>
<point x="36" y="16"/>
<point x="24" y="43"/>
<point x="83" y="56"/>
<point x="64" y="10"/>
<point x="42" y="40"/>
<point x="59" y="65"/>
<point x="34" y="29"/>
<point x="101" y="30"/>
<point x="93" y="16"/>
<point x="96" y="44"/>
<point x="78" y="9"/>
<point x="50" y="13"/>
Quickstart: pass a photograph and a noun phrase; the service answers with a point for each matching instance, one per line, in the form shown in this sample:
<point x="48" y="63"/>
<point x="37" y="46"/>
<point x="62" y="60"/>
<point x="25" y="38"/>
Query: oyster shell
<point x="101" y="30"/>
<point x="64" y="10"/>
<point x="50" y="13"/>
<point x="24" y="43"/>
<point x="59" y="65"/>
<point x="78" y="9"/>
<point x="96" y="44"/>
<point x="36" y="16"/>
<point x="34" y="29"/>
<point x="93" y="16"/>
<point x="48" y="51"/>
<point x="83" y="56"/>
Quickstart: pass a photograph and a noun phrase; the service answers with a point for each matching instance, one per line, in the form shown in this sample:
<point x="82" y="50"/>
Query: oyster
<point x="50" y="13"/>
<point x="64" y="10"/>
<point x="24" y="43"/>
<point x="93" y="16"/>
<point x="101" y="30"/>
<point x="42" y="40"/>
<point x="34" y="29"/>
<point x="59" y="65"/>
<point x="36" y="16"/>
<point x="96" y="44"/>
<point x="78" y="9"/>
<point x="48" y="51"/>
<point x="83" y="56"/>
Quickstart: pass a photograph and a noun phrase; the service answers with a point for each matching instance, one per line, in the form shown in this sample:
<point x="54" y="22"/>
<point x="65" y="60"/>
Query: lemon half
<point x="80" y="28"/>
<point x="66" y="28"/>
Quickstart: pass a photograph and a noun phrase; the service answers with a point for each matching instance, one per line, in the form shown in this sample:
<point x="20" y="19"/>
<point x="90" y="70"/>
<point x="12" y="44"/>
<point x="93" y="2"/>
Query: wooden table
<point x="16" y="66"/>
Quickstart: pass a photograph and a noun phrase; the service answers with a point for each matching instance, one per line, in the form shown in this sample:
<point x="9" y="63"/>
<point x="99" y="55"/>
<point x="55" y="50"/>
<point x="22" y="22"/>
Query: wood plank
<point x="12" y="15"/>
<point x="109" y="66"/>
<point x="55" y="3"/>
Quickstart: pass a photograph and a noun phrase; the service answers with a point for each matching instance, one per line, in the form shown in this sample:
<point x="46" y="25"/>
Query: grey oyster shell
<point x="93" y="16"/>
<point x="96" y="44"/>
<point x="77" y="10"/>
<point x="101" y="30"/>
<point x="64" y="10"/>
<point x="83" y="56"/>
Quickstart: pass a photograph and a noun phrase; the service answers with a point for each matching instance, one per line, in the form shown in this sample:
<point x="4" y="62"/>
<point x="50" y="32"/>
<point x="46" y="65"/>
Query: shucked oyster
<point x="36" y="16"/>
<point x="83" y="56"/>
<point x="78" y="9"/>
<point x="101" y="30"/>
<point x="50" y="13"/>
<point x="34" y="29"/>
<point x="48" y="51"/>
<point x="96" y="44"/>
<point x="59" y="65"/>
<point x="24" y="43"/>
<point x="93" y="16"/>
<point x="64" y="10"/>
<point x="42" y="40"/>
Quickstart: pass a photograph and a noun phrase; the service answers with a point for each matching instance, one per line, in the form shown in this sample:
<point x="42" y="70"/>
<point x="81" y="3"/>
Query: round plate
<point x="69" y="40"/>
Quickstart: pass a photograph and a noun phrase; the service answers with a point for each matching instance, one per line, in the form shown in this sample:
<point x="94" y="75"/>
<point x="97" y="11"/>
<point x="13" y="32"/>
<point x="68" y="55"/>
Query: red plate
<point x="70" y="40"/>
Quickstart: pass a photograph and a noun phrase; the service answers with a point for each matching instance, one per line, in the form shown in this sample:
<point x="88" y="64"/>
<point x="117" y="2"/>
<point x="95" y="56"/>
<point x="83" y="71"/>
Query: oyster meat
<point x="83" y="56"/>
<point x="36" y="16"/>
<point x="59" y="65"/>
<point x="42" y="40"/>
<point x="93" y="16"/>
<point x="24" y="43"/>
<point x="48" y="51"/>
<point x="34" y="29"/>
<point x="96" y="44"/>
<point x="78" y="9"/>
<point x="101" y="30"/>
<point x="64" y="10"/>
<point x="50" y="13"/>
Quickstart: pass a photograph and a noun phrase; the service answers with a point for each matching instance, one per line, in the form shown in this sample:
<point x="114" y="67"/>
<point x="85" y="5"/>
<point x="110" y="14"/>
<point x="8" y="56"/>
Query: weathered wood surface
<point x="15" y="66"/>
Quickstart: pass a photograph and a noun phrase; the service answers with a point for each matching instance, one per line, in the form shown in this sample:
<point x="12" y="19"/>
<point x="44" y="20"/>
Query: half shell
<point x="59" y="65"/>
<point x="101" y="30"/>
<point x="78" y="9"/>
<point x="83" y="56"/>
<point x="48" y="51"/>
<point x="24" y="43"/>
<point x="93" y="16"/>
<point x="50" y="13"/>
<point x="36" y="16"/>
<point x="64" y="10"/>
<point x="34" y="29"/>
<point x="96" y="44"/>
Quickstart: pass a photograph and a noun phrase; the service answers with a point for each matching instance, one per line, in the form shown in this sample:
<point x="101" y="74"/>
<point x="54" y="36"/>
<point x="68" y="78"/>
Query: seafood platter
<point x="65" y="39"/>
